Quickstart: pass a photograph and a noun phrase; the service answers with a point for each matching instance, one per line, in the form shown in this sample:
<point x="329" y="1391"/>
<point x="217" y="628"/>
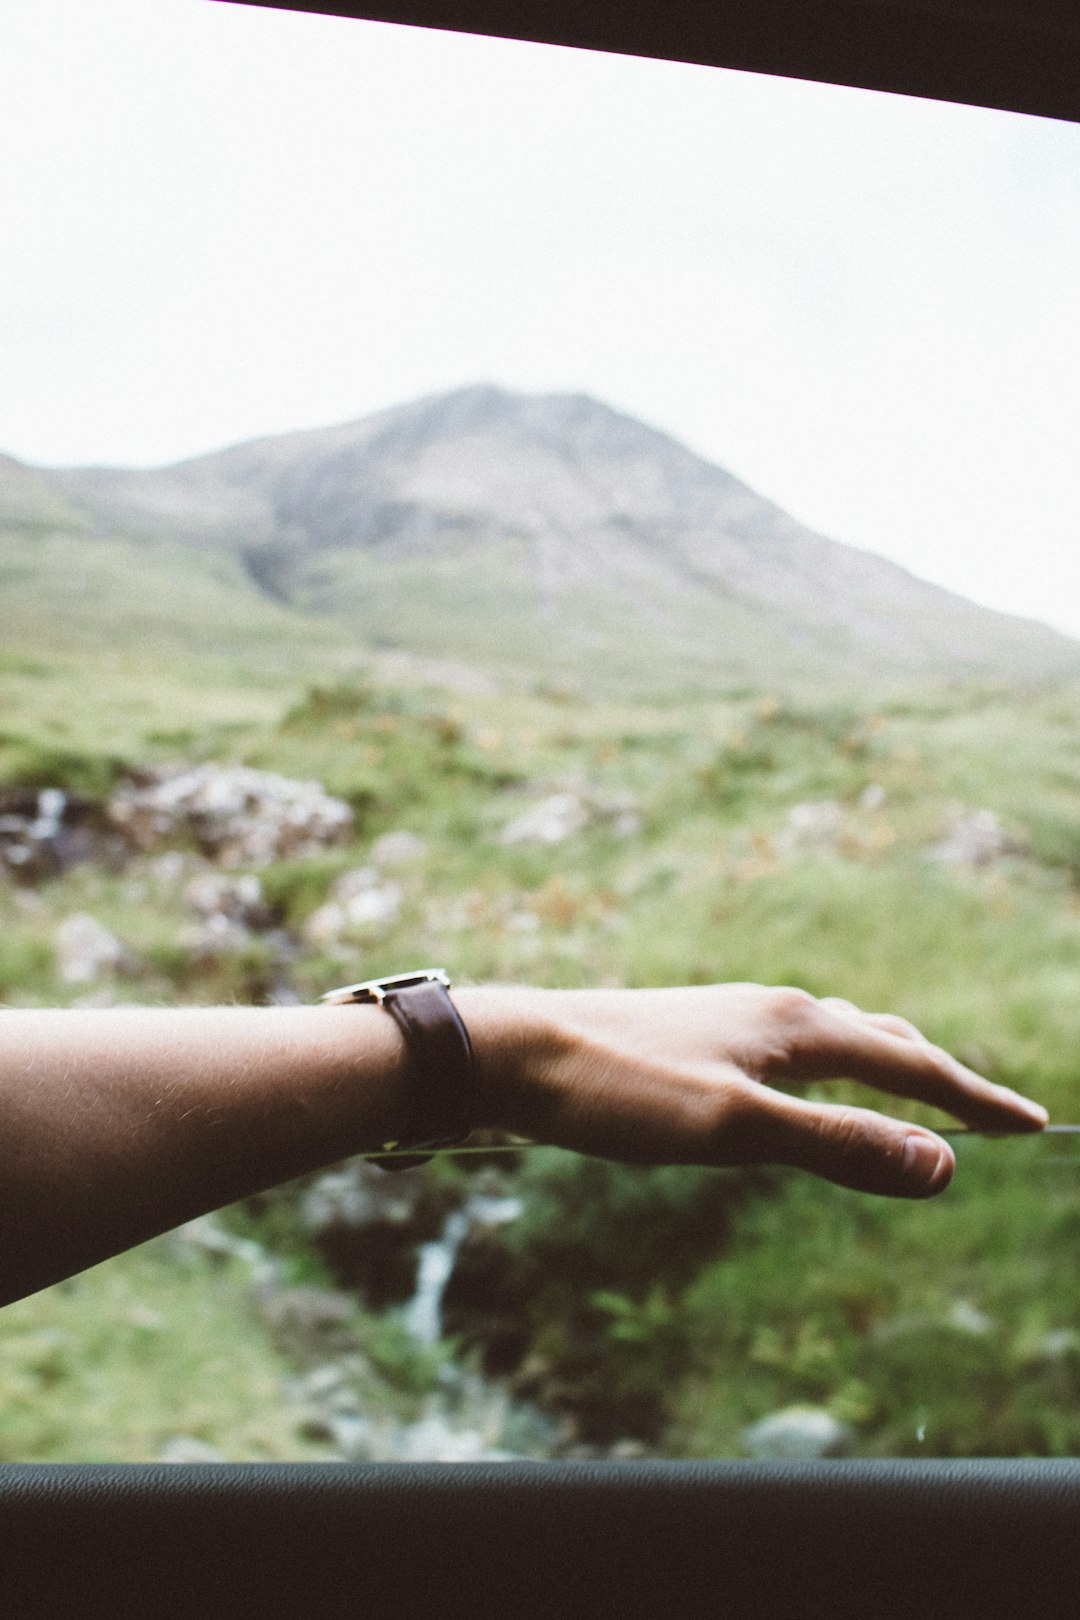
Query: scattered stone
<point x="628" y="1450"/>
<point x="360" y="1194"/>
<point x="230" y="911"/>
<point x="217" y="935"/>
<point x="205" y="1235"/>
<point x="169" y="869"/>
<point x="564" y="815"/>
<point x="86" y="950"/>
<point x="872" y="797"/>
<point x="397" y="848"/>
<point x="975" y="838"/>
<point x="1060" y="1344"/>
<point x="185" y="1448"/>
<point x="43" y="833"/>
<point x="239" y="898"/>
<point x="551" y="821"/>
<point x="238" y="816"/>
<point x="326" y="1383"/>
<point x="814" y="826"/>
<point x="801" y="1433"/>
<point x="434" y="1439"/>
<point x="360" y="903"/>
<point x="350" y="1435"/>
<point x="27" y="903"/>
<point x="308" y="1323"/>
<point x="967" y="1318"/>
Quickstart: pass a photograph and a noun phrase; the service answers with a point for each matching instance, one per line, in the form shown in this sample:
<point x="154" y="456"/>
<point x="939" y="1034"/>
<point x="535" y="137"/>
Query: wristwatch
<point x="442" y="1074"/>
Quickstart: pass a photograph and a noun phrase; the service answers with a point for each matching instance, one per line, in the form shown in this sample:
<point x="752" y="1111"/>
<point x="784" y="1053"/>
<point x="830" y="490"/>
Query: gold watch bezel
<point x="377" y="990"/>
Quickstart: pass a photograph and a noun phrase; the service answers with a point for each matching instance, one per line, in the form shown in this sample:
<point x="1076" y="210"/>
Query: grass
<point x="677" y="1307"/>
<point x="112" y="1365"/>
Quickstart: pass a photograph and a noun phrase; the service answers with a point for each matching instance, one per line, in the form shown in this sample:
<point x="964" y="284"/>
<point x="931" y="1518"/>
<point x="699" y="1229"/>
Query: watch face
<point x="377" y="989"/>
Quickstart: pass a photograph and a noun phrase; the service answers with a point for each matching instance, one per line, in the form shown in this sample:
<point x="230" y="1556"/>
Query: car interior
<point x="834" y="1537"/>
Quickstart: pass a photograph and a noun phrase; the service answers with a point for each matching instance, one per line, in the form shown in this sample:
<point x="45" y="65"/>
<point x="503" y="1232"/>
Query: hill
<point x="547" y="532"/>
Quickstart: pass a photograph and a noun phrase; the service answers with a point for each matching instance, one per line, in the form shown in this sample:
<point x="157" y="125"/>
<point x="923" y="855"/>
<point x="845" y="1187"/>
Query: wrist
<point x="517" y="1043"/>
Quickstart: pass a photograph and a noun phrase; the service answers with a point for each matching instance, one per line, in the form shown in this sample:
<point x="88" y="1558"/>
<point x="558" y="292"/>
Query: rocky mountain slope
<point x="548" y="531"/>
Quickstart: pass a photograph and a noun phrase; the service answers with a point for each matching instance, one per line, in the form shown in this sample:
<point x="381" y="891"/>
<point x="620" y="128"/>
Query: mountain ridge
<point x="552" y="526"/>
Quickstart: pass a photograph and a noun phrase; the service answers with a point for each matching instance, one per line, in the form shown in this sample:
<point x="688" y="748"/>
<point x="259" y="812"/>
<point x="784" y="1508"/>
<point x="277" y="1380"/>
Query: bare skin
<point x="121" y="1123"/>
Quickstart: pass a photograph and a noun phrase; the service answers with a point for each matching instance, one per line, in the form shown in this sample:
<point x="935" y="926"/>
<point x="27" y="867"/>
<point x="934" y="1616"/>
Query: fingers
<point x="887" y="1021"/>
<point x="852" y="1147"/>
<point x="892" y="1055"/>
<point x="896" y="1026"/>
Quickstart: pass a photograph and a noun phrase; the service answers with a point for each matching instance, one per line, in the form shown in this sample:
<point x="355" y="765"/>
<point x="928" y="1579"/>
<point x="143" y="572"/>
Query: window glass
<point x="681" y="591"/>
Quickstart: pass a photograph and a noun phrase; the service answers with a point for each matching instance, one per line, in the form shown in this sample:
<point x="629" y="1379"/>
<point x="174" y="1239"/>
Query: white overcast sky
<point x="218" y="221"/>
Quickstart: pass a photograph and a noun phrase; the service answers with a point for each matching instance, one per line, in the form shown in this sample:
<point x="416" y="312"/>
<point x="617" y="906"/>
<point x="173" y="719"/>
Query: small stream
<point x="435" y="1262"/>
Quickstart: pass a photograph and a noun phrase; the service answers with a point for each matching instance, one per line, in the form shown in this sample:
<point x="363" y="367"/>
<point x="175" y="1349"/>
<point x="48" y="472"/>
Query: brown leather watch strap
<point x="441" y="1071"/>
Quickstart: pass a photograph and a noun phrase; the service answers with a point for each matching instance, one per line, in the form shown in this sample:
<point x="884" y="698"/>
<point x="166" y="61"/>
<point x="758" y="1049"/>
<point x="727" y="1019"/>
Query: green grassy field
<point x="676" y="1307"/>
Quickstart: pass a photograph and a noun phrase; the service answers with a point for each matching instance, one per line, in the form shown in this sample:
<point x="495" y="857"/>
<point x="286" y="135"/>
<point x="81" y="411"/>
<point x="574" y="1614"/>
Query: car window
<point x="585" y="522"/>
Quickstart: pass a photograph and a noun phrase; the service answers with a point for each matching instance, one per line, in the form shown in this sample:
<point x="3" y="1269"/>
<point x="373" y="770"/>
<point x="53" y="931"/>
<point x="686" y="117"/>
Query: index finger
<point x="856" y="1048"/>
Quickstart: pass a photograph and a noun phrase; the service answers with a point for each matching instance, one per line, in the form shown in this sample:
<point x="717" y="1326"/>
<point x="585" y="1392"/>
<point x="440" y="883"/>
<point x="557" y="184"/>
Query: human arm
<point x="116" y="1124"/>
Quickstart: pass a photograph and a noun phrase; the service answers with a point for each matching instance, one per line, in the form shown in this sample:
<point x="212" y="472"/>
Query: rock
<point x="628" y="1450"/>
<point x="86" y="950"/>
<point x="397" y="848"/>
<point x="552" y="821"/>
<point x="351" y="1435"/>
<point x="360" y="903"/>
<point x="872" y="797"/>
<point x="205" y="1235"/>
<point x="44" y="832"/>
<point x="816" y="826"/>
<point x="325" y="926"/>
<point x="231" y="909"/>
<point x="238" y="816"/>
<point x="798" y="1432"/>
<point x="307" y="1323"/>
<point x="185" y="1448"/>
<point x="217" y="936"/>
<point x="361" y="1194"/>
<point x="324" y="1383"/>
<point x="967" y="1318"/>
<point x="564" y="815"/>
<point x="975" y="838"/>
<point x="434" y="1439"/>
<point x="169" y="869"/>
<point x="211" y="894"/>
<point x="1060" y="1344"/>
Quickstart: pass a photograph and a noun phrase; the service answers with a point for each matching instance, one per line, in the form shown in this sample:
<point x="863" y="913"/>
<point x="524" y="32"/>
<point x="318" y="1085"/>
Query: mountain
<point x="548" y="531"/>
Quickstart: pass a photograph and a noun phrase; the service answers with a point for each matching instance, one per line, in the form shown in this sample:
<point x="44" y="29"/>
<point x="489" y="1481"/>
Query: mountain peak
<point x="554" y="527"/>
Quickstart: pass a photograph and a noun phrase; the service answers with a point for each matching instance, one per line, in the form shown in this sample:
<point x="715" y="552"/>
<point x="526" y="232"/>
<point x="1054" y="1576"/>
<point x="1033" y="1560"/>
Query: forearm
<point x="118" y="1124"/>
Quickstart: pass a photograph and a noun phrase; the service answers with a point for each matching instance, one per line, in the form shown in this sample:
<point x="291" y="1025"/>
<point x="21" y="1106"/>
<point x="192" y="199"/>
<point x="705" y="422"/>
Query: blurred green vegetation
<point x="155" y="1346"/>
<point x="679" y="1306"/>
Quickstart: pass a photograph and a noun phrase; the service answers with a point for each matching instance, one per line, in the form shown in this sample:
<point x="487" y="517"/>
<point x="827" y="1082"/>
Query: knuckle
<point x="792" y="1006"/>
<point x="790" y="998"/>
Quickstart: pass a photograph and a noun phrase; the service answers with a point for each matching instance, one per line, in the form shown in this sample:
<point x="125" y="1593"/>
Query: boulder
<point x="238" y="816"/>
<point x="87" y="951"/>
<point x="800" y="1433"/>
<point x="975" y="838"/>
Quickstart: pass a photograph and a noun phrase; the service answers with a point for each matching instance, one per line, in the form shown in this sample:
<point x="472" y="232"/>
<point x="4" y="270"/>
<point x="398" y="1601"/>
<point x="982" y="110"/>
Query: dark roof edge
<point x="1007" y="62"/>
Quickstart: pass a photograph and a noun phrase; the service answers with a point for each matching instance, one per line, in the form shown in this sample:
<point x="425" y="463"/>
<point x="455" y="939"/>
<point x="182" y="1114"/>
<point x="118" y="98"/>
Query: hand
<point x="683" y="1076"/>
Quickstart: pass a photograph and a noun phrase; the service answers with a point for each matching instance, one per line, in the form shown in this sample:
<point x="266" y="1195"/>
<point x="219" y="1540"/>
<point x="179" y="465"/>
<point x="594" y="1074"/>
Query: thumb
<point x="854" y="1147"/>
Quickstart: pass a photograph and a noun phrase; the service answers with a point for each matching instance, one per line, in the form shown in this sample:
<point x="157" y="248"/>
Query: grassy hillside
<point x="672" y="1307"/>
